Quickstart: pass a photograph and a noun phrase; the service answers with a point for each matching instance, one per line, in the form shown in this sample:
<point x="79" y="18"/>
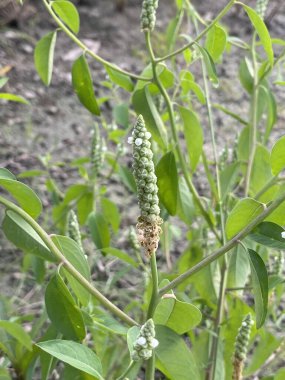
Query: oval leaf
<point x="99" y="230"/>
<point x="43" y="57"/>
<point x="74" y="354"/>
<point x="259" y="278"/>
<point x="24" y="237"/>
<point x="63" y="311"/>
<point x="277" y="159"/>
<point x="120" y="79"/>
<point x="167" y="182"/>
<point x="83" y="86"/>
<point x="241" y="215"/>
<point x="262" y="32"/>
<point x="67" y="12"/>
<point x="209" y="65"/>
<point x="216" y="41"/>
<point x="17" y="332"/>
<point x="268" y="234"/>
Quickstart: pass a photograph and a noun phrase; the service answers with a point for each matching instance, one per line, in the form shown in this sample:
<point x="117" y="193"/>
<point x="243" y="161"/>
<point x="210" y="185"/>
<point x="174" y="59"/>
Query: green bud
<point x="97" y="152"/>
<point x="242" y="338"/>
<point x="73" y="228"/>
<point x="148" y="15"/>
<point x="145" y="342"/>
<point x="261" y="6"/>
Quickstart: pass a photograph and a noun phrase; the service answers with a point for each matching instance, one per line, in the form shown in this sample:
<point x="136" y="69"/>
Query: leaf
<point x="26" y="197"/>
<point x="242" y="214"/>
<point x="132" y="335"/>
<point x="209" y="65"/>
<point x="185" y="205"/>
<point x="143" y="104"/>
<point x="262" y="32"/>
<point x="193" y="135"/>
<point x="83" y="86"/>
<point x="13" y="98"/>
<point x="120" y="255"/>
<point x="111" y="213"/>
<point x="24" y="237"/>
<point x="4" y="374"/>
<point x="277" y="158"/>
<point x="70" y="249"/>
<point x="75" y="354"/>
<point x="105" y="321"/>
<point x="120" y="79"/>
<point x="260" y="286"/>
<point x="127" y="178"/>
<point x="43" y="57"/>
<point x="167" y="182"/>
<point x="99" y="230"/>
<point x="261" y="172"/>
<point x="268" y="234"/>
<point x="121" y="114"/>
<point x="228" y="178"/>
<point x="181" y="317"/>
<point x="67" y="12"/>
<point x="216" y="42"/>
<point x="63" y="311"/>
<point x="246" y="74"/>
<point x="84" y="206"/>
<point x="190" y="85"/>
<point x="175" y="360"/>
<point x="17" y="332"/>
<point x="239" y="268"/>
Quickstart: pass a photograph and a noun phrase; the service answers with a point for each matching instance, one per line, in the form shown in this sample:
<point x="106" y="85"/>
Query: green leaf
<point x="209" y="65"/>
<point x="99" y="230"/>
<point x="4" y="374"/>
<point x="174" y="359"/>
<point x="277" y="159"/>
<point x="167" y="182"/>
<point x="216" y="42"/>
<point x="24" y="237"/>
<point x="268" y="234"/>
<point x="67" y="12"/>
<point x="246" y="74"/>
<point x="85" y="206"/>
<point x="27" y="199"/>
<point x="120" y="255"/>
<point x="260" y="286"/>
<point x="63" y="311"/>
<point x="127" y="178"/>
<point x="70" y="249"/>
<point x="239" y="268"/>
<point x="181" y="317"/>
<point x="43" y="57"/>
<point x="105" y="321"/>
<point x="190" y="85"/>
<point x="261" y="171"/>
<point x="13" y="98"/>
<point x="120" y="79"/>
<point x="83" y="86"/>
<point x="262" y="32"/>
<point x="132" y="335"/>
<point x="75" y="354"/>
<point x="185" y="204"/>
<point x="242" y="214"/>
<point x="193" y="135"/>
<point x="143" y="104"/>
<point x="17" y="332"/>
<point x="111" y="213"/>
<point x="228" y="178"/>
<point x="121" y="115"/>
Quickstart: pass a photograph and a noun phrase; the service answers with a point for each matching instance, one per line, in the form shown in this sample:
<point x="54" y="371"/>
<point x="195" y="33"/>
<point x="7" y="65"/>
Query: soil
<point x="56" y="124"/>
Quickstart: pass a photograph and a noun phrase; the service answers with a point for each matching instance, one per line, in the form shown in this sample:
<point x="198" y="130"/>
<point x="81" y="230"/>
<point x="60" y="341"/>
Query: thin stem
<point x="221" y="251"/>
<point x="66" y="264"/>
<point x="201" y="35"/>
<point x="253" y="127"/>
<point x="86" y="49"/>
<point x="182" y="162"/>
<point x="124" y="375"/>
<point x="150" y="365"/>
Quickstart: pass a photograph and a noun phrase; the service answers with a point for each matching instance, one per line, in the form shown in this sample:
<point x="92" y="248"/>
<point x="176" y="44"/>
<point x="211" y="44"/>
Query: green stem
<point x="66" y="264"/>
<point x="221" y="251"/>
<point x="253" y="127"/>
<point x="201" y="35"/>
<point x="86" y="49"/>
<point x="130" y="366"/>
<point x="176" y="139"/>
<point x="150" y="364"/>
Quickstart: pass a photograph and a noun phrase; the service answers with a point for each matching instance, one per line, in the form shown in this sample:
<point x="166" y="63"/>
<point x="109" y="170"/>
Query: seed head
<point x="148" y="14"/>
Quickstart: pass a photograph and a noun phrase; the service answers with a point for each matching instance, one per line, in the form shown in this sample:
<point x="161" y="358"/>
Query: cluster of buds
<point x="134" y="240"/>
<point x="261" y="6"/>
<point x="148" y="15"/>
<point x="145" y="342"/>
<point x="73" y="228"/>
<point x="97" y="152"/>
<point x="241" y="345"/>
<point x="148" y="227"/>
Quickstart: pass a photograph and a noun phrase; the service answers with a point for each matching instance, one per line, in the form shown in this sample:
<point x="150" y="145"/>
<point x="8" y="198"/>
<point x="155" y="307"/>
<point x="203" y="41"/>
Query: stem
<point x="66" y="264"/>
<point x="253" y="129"/>
<point x="86" y="49"/>
<point x="150" y="365"/>
<point x="130" y="366"/>
<point x="201" y="35"/>
<point x="182" y="162"/>
<point x="221" y="251"/>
